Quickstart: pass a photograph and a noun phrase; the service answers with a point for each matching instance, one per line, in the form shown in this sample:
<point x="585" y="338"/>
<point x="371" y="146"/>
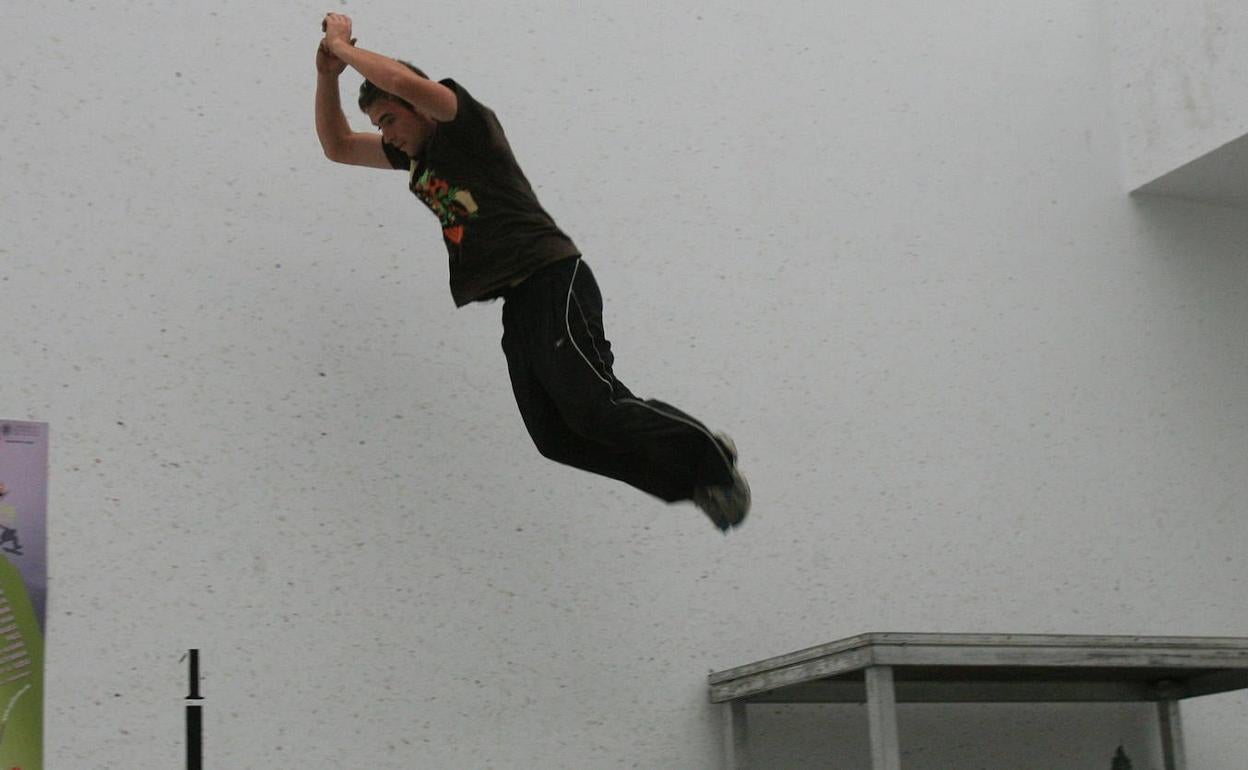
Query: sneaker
<point x="728" y="504"/>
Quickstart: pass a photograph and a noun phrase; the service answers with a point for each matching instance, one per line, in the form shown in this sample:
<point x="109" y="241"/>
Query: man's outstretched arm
<point x="426" y="96"/>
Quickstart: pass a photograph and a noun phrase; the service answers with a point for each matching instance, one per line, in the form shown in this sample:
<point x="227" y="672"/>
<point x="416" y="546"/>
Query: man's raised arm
<point x="339" y="142"/>
<point x="427" y="96"/>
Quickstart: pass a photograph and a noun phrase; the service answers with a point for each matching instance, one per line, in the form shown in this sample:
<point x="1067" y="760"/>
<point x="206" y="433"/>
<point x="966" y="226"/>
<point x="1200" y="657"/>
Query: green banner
<point x="23" y="591"/>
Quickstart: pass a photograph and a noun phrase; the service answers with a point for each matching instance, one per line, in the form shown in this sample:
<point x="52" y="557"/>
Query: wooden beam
<point x="1063" y="657"/>
<point x="773" y="679"/>
<point x="738" y="742"/>
<point x="847" y="691"/>
<point x="1223" y="649"/>
<point x="882" y="719"/>
<point x="1172" y="749"/>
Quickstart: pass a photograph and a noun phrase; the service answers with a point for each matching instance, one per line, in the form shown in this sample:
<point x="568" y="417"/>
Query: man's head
<point x="400" y="124"/>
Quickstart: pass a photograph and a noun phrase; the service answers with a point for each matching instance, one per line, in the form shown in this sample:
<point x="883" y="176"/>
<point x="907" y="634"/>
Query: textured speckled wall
<point x="886" y="246"/>
<point x="1180" y="79"/>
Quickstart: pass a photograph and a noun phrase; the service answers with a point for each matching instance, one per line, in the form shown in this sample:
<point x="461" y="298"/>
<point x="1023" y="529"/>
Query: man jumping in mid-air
<point x="503" y="244"/>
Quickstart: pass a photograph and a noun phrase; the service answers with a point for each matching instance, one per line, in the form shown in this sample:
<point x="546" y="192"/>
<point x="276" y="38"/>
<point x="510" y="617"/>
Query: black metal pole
<point x="194" y="676"/>
<point x="194" y="720"/>
<point x="194" y="738"/>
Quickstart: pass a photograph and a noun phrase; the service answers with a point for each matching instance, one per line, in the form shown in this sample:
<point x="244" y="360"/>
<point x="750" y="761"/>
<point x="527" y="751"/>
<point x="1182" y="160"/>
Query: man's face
<point x="400" y="125"/>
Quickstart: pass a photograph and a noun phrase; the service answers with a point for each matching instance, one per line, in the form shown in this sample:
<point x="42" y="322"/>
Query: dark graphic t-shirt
<point x="496" y="232"/>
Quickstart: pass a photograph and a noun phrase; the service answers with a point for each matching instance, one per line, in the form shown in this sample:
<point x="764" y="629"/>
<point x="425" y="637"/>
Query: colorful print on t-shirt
<point x="451" y="204"/>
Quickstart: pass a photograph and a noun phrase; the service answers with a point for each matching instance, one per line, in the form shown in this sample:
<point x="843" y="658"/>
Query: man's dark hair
<point x="371" y="94"/>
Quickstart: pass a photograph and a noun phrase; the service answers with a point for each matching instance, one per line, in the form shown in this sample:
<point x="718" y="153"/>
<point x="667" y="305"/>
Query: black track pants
<point x="576" y="411"/>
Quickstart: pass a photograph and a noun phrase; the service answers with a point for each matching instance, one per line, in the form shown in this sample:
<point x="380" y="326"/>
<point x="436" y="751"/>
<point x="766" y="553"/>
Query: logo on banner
<point x="9" y="542"/>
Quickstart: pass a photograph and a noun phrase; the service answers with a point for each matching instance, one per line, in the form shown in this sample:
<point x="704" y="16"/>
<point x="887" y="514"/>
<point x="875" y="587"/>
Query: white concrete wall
<point x="886" y="246"/>
<point x="1181" y="79"/>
